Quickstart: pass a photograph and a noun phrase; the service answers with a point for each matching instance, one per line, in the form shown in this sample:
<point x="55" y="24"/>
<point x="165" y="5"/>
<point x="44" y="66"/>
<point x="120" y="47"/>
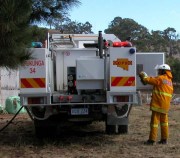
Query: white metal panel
<point x="122" y="70"/>
<point x="146" y="61"/>
<point x="90" y="73"/>
<point x="33" y="74"/>
<point x="89" y="84"/>
<point x="90" y="68"/>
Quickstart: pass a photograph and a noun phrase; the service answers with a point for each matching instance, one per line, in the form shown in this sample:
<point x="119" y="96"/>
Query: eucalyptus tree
<point x="126" y="27"/>
<point x="69" y="26"/>
<point x="175" y="66"/>
<point x="158" y="42"/>
<point x="173" y="41"/>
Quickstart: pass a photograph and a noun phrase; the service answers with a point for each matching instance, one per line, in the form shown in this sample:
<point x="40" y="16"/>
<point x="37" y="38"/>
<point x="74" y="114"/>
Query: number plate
<point x="79" y="111"/>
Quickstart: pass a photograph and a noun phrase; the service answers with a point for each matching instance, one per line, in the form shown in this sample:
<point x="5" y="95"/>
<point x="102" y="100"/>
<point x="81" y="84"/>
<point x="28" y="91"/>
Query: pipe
<point x="100" y="44"/>
<point x="105" y="69"/>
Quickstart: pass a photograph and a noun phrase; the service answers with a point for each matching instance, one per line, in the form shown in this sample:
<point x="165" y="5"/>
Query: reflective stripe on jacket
<point x="162" y="92"/>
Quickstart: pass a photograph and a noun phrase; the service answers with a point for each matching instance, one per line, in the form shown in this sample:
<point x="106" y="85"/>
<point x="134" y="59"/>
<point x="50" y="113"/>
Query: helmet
<point x="163" y="67"/>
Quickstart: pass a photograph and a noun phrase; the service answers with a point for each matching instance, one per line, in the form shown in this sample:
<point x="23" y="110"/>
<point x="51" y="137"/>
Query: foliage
<point x="172" y="41"/>
<point x="48" y="10"/>
<point x="69" y="26"/>
<point x="175" y="66"/>
<point x="124" y="28"/>
<point x="14" y="32"/>
<point x="38" y="34"/>
<point x="158" y="41"/>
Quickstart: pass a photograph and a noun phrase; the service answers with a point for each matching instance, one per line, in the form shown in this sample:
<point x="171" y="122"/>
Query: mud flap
<point x="118" y="114"/>
<point x="117" y="119"/>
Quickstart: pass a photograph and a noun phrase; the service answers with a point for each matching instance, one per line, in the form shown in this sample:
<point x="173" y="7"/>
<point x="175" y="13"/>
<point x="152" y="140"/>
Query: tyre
<point x="122" y="129"/>
<point x="110" y="129"/>
<point x="44" y="129"/>
<point x="85" y="123"/>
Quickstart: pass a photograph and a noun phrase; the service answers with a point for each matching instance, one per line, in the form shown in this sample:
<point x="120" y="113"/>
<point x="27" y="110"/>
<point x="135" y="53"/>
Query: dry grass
<point x="18" y="140"/>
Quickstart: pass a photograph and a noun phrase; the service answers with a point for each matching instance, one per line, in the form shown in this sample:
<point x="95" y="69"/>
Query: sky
<point x="152" y="14"/>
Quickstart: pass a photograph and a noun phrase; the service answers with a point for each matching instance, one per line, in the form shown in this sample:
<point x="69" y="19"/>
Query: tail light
<point x="121" y="98"/>
<point x="122" y="44"/>
<point x="36" y="100"/>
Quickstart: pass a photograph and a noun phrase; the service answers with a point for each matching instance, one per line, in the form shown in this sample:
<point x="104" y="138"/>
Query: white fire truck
<point x="79" y="78"/>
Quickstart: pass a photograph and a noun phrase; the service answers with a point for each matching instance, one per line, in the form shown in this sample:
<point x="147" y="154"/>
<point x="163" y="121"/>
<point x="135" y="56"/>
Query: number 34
<point x="32" y="70"/>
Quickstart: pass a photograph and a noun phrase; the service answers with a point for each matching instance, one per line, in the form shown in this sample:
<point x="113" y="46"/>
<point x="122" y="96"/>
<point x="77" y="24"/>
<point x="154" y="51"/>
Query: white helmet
<point x="163" y="67"/>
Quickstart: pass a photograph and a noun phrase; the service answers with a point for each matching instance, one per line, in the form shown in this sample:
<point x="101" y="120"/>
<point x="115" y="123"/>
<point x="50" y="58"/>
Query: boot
<point x="149" y="142"/>
<point x="163" y="141"/>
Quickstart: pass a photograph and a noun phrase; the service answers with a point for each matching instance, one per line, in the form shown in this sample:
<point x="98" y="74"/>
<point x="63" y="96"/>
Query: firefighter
<point x="160" y="102"/>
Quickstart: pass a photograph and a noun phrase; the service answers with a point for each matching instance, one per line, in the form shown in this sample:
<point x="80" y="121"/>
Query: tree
<point x="69" y="26"/>
<point x="38" y="34"/>
<point x="175" y="66"/>
<point x="123" y="28"/>
<point x="172" y="41"/>
<point x="47" y="10"/>
<point x="14" y="32"/>
<point x="157" y="43"/>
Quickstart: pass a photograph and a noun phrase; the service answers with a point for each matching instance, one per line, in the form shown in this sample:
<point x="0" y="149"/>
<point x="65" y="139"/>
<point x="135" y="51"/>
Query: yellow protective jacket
<point x="162" y="92"/>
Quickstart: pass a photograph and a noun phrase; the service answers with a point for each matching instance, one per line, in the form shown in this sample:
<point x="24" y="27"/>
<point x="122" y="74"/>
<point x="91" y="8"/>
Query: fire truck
<point x="82" y="78"/>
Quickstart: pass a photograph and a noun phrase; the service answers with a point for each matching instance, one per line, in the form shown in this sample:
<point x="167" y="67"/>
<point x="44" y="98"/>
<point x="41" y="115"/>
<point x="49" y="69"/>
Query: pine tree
<point x="14" y="32"/>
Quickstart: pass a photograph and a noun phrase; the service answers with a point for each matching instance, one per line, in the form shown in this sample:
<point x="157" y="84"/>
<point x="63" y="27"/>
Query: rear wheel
<point x="43" y="128"/>
<point x="122" y="129"/>
<point x="85" y="123"/>
<point x="110" y="129"/>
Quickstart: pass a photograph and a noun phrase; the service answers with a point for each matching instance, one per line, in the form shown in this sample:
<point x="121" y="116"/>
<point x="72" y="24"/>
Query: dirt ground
<point x="18" y="140"/>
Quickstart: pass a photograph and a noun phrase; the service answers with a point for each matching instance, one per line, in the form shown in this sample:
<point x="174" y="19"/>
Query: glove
<point x="143" y="75"/>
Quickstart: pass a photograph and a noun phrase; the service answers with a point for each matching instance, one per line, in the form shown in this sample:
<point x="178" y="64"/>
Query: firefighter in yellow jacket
<point x="160" y="102"/>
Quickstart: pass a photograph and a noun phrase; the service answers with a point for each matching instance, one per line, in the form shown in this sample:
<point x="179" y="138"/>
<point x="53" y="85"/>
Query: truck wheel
<point x="86" y="123"/>
<point x="43" y="129"/>
<point x="39" y="131"/>
<point x="122" y="129"/>
<point x="110" y="129"/>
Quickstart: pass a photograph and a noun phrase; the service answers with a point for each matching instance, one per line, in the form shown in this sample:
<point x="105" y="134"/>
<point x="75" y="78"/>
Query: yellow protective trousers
<point x="157" y="118"/>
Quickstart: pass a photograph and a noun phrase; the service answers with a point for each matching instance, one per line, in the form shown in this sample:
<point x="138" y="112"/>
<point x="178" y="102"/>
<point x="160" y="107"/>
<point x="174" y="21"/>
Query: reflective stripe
<point x="154" y="125"/>
<point x="164" y="124"/>
<point x="159" y="110"/>
<point x="163" y="93"/>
